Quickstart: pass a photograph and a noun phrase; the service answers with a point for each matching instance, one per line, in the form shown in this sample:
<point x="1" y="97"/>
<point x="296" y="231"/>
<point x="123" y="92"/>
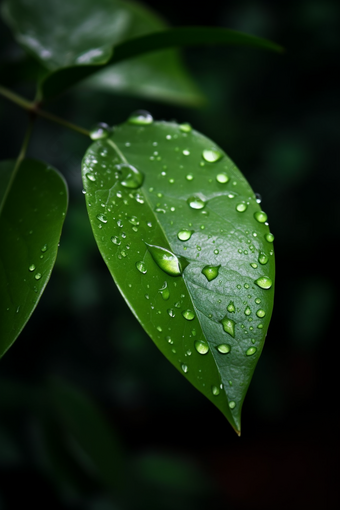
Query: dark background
<point x="278" y="118"/>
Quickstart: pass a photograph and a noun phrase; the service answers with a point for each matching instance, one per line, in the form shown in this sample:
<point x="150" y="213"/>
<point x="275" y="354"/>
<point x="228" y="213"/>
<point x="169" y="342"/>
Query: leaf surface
<point x="32" y="209"/>
<point x="174" y="221"/>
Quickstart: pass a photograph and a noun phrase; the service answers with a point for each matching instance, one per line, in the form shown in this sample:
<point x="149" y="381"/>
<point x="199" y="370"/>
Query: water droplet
<point x="257" y="301"/>
<point x="116" y="240"/>
<point x="184" y="368"/>
<point x="260" y="313"/>
<point x="196" y="202"/>
<point x="37" y="276"/>
<point x="101" y="130"/>
<point x="186" y="152"/>
<point x="251" y="351"/>
<point x="247" y="311"/>
<point x="133" y="220"/>
<point x="269" y="237"/>
<point x="215" y="390"/>
<point x="31" y="267"/>
<point x="253" y="265"/>
<point x="90" y="177"/>
<point x="223" y="348"/>
<point x="228" y="326"/>
<point x="140" y="118"/>
<point x="260" y="216"/>
<point x="185" y="127"/>
<point x="44" y="248"/>
<point x="141" y="267"/>
<point x="164" y="291"/>
<point x="184" y="235"/>
<point x="222" y="178"/>
<point x="231" y="307"/>
<point x="171" y="312"/>
<point x="201" y="346"/>
<point x="159" y="329"/>
<point x="102" y="218"/>
<point x="189" y="315"/>
<point x="241" y="207"/>
<point x="258" y="198"/>
<point x="167" y="261"/>
<point x="131" y="177"/>
<point x="193" y="332"/>
<point x="263" y="258"/>
<point x="189" y="177"/>
<point x="264" y="282"/>
<point x="169" y="340"/>
<point x="211" y="272"/>
<point x="216" y="252"/>
<point x="212" y="155"/>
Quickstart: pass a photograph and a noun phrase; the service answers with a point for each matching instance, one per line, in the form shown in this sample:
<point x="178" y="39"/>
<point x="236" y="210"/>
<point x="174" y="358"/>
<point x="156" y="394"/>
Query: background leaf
<point x="160" y="186"/>
<point x="84" y="33"/>
<point x="30" y="226"/>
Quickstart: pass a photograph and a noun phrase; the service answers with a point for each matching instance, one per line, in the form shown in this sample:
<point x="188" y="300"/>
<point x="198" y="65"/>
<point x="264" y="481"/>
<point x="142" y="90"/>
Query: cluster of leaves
<point x="177" y="224"/>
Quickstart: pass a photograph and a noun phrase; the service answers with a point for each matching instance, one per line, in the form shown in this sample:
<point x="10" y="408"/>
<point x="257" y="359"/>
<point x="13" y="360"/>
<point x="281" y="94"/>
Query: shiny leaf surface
<point x="33" y="209"/>
<point x="182" y="234"/>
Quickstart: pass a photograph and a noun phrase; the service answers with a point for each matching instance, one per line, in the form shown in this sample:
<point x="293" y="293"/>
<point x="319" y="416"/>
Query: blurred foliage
<point x="278" y="119"/>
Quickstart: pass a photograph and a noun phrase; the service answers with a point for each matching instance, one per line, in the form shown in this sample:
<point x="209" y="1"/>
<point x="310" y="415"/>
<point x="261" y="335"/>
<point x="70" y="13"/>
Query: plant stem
<point x="20" y="157"/>
<point x="34" y="109"/>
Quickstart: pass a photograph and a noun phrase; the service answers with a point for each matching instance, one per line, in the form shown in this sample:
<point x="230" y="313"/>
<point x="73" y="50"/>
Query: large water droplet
<point x="164" y="291"/>
<point x="101" y="130"/>
<point x="247" y="311"/>
<point x="264" y="282"/>
<point x="228" y="326"/>
<point x="222" y="178"/>
<point x="201" y="346"/>
<point x="31" y="267"/>
<point x="141" y="267"/>
<point x="231" y="307"/>
<point x="116" y="240"/>
<point x="241" y="207"/>
<point x="37" y="276"/>
<point x="184" y="235"/>
<point x="269" y="237"/>
<point x="260" y="216"/>
<point x="196" y="202"/>
<point x="171" y="312"/>
<point x="189" y="315"/>
<point x="102" y="218"/>
<point x="260" y="313"/>
<point x="212" y="155"/>
<point x="263" y="258"/>
<point x="251" y="351"/>
<point x="211" y="272"/>
<point x="232" y="404"/>
<point x="90" y="177"/>
<point x="223" y="348"/>
<point x="167" y="261"/>
<point x="140" y="118"/>
<point x="215" y="390"/>
<point x="131" y="177"/>
<point x="185" y="128"/>
<point x="184" y="368"/>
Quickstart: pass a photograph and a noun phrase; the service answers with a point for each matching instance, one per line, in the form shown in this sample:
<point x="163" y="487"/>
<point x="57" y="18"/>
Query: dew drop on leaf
<point x="184" y="368"/>
<point x="102" y="218"/>
<point x="215" y="390"/>
<point x="43" y="248"/>
<point x="141" y="267"/>
<point x="223" y="348"/>
<point x="211" y="272"/>
<point x="201" y="346"/>
<point x="260" y="216"/>
<point x="90" y="177"/>
<point x="164" y="291"/>
<point x="269" y="237"/>
<point x="185" y="127"/>
<point x="263" y="258"/>
<point x="131" y="177"/>
<point x="184" y="235"/>
<point x="100" y="131"/>
<point x="189" y="315"/>
<point x="116" y="240"/>
<point x="140" y="118"/>
<point x="264" y="282"/>
<point x="31" y="267"/>
<point x="196" y="202"/>
<point x="37" y="276"/>
<point x="247" y="311"/>
<point x="228" y="326"/>
<point x="212" y="155"/>
<point x="189" y="177"/>
<point x="251" y="351"/>
<point x="167" y="261"/>
<point x="231" y="307"/>
<point x="241" y="207"/>
<point x="260" y="313"/>
<point x="171" y="312"/>
<point x="222" y="178"/>
<point x="232" y="404"/>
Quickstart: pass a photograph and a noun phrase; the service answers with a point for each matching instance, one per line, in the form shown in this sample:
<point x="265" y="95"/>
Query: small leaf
<point x="207" y="326"/>
<point x="32" y="212"/>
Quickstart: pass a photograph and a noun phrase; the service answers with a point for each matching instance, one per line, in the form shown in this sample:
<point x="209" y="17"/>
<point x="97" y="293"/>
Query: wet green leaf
<point x="32" y="212"/>
<point x="175" y="222"/>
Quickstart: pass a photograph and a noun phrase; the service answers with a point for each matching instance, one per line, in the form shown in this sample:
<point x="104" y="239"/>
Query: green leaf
<point x="32" y="212"/>
<point x="82" y="38"/>
<point x="190" y="36"/>
<point x="175" y="222"/>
